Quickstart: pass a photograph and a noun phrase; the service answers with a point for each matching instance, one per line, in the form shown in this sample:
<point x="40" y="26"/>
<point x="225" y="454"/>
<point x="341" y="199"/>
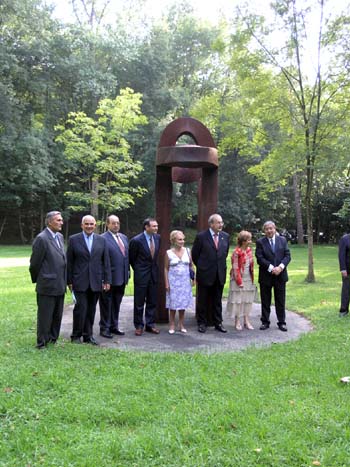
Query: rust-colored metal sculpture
<point x="183" y="164"/>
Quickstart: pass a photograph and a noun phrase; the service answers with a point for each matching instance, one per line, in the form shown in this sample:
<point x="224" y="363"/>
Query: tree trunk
<point x="94" y="202"/>
<point x="310" y="241"/>
<point x="298" y="214"/>
<point x="23" y="239"/>
<point x="2" y="225"/>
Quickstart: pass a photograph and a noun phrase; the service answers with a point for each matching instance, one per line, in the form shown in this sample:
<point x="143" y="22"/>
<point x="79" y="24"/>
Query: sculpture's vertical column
<point x="164" y="190"/>
<point x="207" y="197"/>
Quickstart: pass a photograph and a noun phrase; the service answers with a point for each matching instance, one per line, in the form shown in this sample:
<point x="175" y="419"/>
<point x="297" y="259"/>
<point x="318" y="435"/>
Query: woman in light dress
<point x="178" y="284"/>
<point x="242" y="288"/>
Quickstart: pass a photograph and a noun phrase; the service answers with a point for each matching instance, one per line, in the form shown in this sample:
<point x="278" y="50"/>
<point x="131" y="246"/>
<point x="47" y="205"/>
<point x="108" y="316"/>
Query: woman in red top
<point x="242" y="288"/>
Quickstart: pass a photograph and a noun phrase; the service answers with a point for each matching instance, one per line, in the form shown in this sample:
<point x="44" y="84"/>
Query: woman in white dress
<point x="178" y="284"/>
<point x="242" y="288"/>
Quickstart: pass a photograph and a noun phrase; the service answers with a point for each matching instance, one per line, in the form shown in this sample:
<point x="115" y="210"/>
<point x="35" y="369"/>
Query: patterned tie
<point x="151" y="245"/>
<point x="216" y="240"/>
<point x="120" y="244"/>
<point x="272" y="245"/>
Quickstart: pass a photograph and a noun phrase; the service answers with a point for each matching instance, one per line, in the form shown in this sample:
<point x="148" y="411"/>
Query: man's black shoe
<point x="343" y="313"/>
<point x="220" y="328"/>
<point x="202" y="328"/>
<point x="91" y="340"/>
<point x="117" y="332"/>
<point x="264" y="326"/>
<point x="106" y="334"/>
<point x="282" y="328"/>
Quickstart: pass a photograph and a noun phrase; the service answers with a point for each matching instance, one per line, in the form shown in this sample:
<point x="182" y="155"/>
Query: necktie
<point x="120" y="244"/>
<point x="89" y="242"/>
<point x="151" y="245"/>
<point x="216" y="240"/>
<point x="272" y="245"/>
<point x="57" y="240"/>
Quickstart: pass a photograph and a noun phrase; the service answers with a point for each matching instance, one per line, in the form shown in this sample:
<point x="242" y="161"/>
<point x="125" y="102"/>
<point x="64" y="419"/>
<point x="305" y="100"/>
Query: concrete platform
<point x="193" y="341"/>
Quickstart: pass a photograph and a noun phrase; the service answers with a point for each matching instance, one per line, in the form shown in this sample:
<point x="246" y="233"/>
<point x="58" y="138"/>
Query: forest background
<point x="83" y="104"/>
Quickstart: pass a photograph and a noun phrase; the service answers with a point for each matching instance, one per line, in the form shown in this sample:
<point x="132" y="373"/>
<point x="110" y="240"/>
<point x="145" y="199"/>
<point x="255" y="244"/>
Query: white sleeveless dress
<point x="180" y="295"/>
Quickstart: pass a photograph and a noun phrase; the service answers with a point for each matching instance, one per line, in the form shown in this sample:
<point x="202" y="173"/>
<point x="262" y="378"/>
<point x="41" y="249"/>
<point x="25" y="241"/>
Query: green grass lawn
<point x="83" y="406"/>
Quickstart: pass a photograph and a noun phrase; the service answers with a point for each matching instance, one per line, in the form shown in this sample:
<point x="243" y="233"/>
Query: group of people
<point x="97" y="268"/>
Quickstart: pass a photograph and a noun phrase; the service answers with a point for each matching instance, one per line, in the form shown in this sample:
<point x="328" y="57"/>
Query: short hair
<point x="147" y="221"/>
<point x="173" y="234"/>
<point x="212" y="218"/>
<point x="243" y="236"/>
<point x="108" y="218"/>
<point x="267" y="223"/>
<point x="50" y="215"/>
<point x="87" y="215"/>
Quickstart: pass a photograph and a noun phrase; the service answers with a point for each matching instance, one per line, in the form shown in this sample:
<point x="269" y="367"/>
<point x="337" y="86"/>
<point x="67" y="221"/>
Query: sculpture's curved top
<point x="186" y="126"/>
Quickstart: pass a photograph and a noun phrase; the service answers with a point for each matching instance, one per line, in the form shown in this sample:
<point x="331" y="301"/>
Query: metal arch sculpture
<point x="184" y="164"/>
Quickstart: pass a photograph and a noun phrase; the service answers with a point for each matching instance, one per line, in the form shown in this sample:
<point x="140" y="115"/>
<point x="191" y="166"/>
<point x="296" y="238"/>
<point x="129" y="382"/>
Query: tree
<point x="311" y="117"/>
<point x="98" y="155"/>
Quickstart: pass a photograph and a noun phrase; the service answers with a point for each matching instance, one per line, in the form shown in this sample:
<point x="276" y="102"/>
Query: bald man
<point x="88" y="274"/>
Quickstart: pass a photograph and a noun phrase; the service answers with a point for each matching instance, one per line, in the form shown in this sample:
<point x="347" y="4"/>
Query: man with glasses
<point x="209" y="253"/>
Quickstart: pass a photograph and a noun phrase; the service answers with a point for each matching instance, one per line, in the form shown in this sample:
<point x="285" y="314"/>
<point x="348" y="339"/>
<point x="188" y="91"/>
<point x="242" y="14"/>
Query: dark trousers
<point x="279" y="291"/>
<point x="145" y="294"/>
<point x="84" y="313"/>
<point x="345" y="293"/>
<point x="50" y="310"/>
<point x="209" y="295"/>
<point x="109" y="308"/>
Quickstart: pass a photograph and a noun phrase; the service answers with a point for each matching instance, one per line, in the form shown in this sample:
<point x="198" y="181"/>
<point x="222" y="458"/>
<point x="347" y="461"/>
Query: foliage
<point x="100" y="153"/>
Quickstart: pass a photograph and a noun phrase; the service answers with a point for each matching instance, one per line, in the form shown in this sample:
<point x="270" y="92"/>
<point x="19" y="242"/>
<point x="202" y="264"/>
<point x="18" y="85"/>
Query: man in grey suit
<point x="273" y="256"/>
<point x="119" y="258"/>
<point x="88" y="273"/>
<point x="48" y="270"/>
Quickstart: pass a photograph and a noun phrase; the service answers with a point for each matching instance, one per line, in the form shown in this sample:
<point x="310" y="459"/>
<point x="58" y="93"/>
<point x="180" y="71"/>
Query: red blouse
<point x="238" y="260"/>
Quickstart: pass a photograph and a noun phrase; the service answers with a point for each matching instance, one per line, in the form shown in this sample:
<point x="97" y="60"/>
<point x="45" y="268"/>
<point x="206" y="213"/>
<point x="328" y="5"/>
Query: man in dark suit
<point x="273" y="256"/>
<point x="344" y="266"/>
<point x="48" y="270"/>
<point x="209" y="253"/>
<point x="143" y="256"/>
<point x="119" y="258"/>
<point x="88" y="273"/>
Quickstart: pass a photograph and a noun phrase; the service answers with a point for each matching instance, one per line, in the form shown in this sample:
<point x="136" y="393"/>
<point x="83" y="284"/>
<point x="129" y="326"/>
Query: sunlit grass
<point x="83" y="406"/>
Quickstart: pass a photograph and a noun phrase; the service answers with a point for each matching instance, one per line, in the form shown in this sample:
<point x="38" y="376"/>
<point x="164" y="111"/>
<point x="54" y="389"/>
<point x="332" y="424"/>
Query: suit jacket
<point x="145" y="267"/>
<point x="119" y="263"/>
<point x="344" y="253"/>
<point x="210" y="262"/>
<point x="48" y="265"/>
<point x="265" y="257"/>
<point x="86" y="269"/>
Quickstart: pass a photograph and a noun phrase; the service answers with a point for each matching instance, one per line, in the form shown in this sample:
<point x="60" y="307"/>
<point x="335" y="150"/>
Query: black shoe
<point x="75" y="340"/>
<point x="220" y="328"/>
<point x="40" y="346"/>
<point x="282" y="328"/>
<point x="117" y="332"/>
<point x="106" y="334"/>
<point x="202" y="328"/>
<point x="91" y="340"/>
<point x="264" y="326"/>
<point x="343" y="313"/>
